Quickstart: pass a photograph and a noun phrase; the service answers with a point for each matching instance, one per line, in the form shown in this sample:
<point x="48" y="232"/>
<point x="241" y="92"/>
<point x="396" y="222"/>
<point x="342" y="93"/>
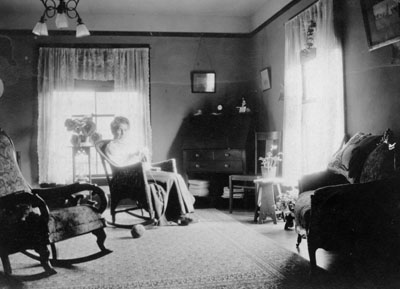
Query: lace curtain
<point x="313" y="128"/>
<point x="58" y="69"/>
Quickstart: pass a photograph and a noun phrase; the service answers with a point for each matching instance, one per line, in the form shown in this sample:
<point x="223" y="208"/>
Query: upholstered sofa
<point x="353" y="205"/>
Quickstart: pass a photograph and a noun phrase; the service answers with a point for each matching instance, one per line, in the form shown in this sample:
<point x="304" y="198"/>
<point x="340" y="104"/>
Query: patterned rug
<point x="215" y="252"/>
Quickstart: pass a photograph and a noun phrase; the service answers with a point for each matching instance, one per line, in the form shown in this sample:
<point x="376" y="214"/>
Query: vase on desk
<point x="268" y="172"/>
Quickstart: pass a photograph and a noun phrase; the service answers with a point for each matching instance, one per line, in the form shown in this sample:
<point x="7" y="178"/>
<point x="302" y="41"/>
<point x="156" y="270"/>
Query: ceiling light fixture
<point x="65" y="8"/>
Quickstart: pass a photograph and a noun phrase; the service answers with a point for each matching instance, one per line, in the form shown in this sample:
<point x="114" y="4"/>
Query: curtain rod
<point x="303" y="10"/>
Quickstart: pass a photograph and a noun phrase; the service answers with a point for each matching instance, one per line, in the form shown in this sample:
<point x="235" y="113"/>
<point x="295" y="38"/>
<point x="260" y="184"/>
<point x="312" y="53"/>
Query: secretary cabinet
<point x="215" y="146"/>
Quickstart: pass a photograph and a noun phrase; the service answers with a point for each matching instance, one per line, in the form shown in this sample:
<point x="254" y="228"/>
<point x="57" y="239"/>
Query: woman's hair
<point x="117" y="121"/>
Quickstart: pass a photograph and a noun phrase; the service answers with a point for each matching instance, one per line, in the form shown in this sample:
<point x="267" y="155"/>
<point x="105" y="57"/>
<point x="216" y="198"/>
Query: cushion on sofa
<point x="380" y="164"/>
<point x="360" y="154"/>
<point x="341" y="159"/>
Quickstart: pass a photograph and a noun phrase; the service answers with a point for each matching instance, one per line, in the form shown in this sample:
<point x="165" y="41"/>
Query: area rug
<point x="215" y="252"/>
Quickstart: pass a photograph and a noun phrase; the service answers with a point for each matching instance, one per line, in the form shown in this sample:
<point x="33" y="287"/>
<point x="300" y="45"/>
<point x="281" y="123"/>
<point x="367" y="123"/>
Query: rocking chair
<point x="31" y="219"/>
<point x="131" y="182"/>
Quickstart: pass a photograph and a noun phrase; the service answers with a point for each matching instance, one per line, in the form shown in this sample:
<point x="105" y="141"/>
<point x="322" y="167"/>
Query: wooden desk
<point x="214" y="147"/>
<point x="265" y="197"/>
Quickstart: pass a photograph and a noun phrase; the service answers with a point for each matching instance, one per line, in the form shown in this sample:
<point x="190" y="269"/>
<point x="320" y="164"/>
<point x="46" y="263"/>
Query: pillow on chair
<point x="340" y="162"/>
<point x="380" y="164"/>
<point x="360" y="155"/>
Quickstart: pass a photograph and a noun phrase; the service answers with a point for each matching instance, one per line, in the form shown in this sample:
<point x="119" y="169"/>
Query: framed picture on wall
<point x="381" y="22"/>
<point x="265" y="80"/>
<point x="203" y="81"/>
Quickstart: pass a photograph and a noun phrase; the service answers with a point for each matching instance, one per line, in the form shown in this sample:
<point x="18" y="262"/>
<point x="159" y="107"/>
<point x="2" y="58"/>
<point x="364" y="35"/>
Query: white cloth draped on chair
<point x="58" y="69"/>
<point x="314" y="98"/>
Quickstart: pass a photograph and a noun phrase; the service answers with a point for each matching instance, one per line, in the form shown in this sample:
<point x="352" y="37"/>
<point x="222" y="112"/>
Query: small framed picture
<point x="265" y="80"/>
<point x="203" y="81"/>
<point x="381" y="22"/>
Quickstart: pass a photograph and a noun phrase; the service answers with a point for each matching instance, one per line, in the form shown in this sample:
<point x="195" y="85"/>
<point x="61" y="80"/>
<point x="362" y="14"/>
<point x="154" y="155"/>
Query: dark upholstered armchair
<point x="131" y="182"/>
<point x="32" y="219"/>
<point x="353" y="206"/>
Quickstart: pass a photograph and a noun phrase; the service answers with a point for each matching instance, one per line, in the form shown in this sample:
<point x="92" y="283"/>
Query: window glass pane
<point x="103" y="126"/>
<point x="107" y="102"/>
<point x="83" y="102"/>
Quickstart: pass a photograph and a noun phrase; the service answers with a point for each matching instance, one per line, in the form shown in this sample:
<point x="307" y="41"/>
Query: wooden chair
<point x="131" y="182"/>
<point x="31" y="219"/>
<point x="263" y="141"/>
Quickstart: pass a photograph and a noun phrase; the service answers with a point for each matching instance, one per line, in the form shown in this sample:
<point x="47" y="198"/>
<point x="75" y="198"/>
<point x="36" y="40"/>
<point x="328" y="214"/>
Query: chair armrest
<point x="36" y="201"/>
<point x="156" y="169"/>
<point x="167" y="165"/>
<point x="62" y="195"/>
<point x="320" y="179"/>
<point x="362" y="207"/>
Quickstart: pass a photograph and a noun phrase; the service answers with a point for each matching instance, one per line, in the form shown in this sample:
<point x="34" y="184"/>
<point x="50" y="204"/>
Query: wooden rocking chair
<point x="31" y="219"/>
<point x="131" y="182"/>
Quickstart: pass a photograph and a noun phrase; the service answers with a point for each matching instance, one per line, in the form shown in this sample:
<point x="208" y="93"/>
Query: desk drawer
<point x="200" y="166"/>
<point x="227" y="154"/>
<point x="193" y="155"/>
<point x="228" y="166"/>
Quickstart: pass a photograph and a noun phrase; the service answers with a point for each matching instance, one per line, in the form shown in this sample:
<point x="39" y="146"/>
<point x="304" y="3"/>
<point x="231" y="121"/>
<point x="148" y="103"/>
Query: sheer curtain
<point x="314" y="127"/>
<point x="58" y="69"/>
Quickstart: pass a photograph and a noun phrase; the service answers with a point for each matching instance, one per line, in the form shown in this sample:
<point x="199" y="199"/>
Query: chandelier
<point x="64" y="10"/>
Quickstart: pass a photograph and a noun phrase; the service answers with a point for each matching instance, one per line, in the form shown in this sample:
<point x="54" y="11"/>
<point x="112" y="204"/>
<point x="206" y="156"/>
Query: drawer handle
<point x="227" y="154"/>
<point x="197" y="165"/>
<point x="227" y="165"/>
<point x="197" y="155"/>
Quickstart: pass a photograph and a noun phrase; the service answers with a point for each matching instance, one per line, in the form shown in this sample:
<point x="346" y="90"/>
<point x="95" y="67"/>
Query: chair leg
<point x="256" y="206"/>
<point x="101" y="237"/>
<point x="312" y="249"/>
<point x="44" y="259"/>
<point x="299" y="238"/>
<point x="6" y="265"/>
<point x="230" y="195"/>
<point x="256" y="214"/>
<point x="54" y="253"/>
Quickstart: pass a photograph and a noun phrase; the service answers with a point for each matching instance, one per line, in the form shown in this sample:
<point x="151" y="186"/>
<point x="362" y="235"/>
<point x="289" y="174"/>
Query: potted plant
<point x="83" y="129"/>
<point x="270" y="162"/>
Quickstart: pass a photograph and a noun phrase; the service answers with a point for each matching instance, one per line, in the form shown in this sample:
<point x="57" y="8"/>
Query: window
<point x="95" y="99"/>
<point x="98" y="100"/>
<point x="64" y="92"/>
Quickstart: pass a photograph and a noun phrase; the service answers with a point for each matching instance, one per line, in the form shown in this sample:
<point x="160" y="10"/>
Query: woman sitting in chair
<point x="123" y="151"/>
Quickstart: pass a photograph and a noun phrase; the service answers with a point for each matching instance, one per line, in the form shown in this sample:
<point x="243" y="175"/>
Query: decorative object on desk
<point x="270" y="162"/>
<point x="381" y="22"/>
<point x="203" y="81"/>
<point x="198" y="112"/>
<point x="83" y="129"/>
<point x="243" y="108"/>
<point x="265" y="81"/>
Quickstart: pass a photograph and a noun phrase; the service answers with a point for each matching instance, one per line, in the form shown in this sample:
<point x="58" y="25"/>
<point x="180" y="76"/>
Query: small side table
<point x="265" y="198"/>
<point x="84" y="149"/>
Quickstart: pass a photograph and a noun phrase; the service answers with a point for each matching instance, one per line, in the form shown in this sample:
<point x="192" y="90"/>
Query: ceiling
<point x="212" y="16"/>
